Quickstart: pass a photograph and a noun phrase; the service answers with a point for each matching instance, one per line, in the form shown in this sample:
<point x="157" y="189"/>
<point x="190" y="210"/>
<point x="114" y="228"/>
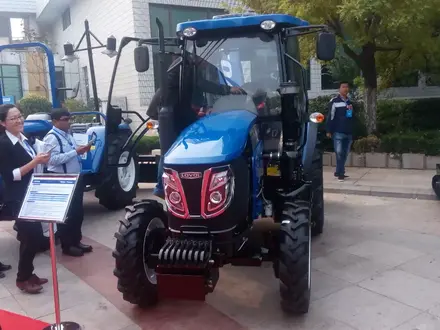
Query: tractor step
<point x="178" y="253"/>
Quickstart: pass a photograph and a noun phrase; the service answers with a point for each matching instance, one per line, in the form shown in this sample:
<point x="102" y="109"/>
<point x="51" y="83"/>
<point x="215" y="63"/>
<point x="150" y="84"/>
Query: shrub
<point x="408" y="115"/>
<point x="427" y="142"/>
<point x="74" y="105"/>
<point x="33" y="103"/>
<point x="147" y="144"/>
<point x="371" y="143"/>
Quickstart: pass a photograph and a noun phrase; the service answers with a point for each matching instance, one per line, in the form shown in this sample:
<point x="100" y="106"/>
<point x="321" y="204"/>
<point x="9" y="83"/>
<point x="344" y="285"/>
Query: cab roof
<point x="229" y="21"/>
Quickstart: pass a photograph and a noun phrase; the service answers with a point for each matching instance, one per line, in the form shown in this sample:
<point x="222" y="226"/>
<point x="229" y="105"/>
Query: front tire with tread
<point x="132" y="238"/>
<point x="294" y="259"/>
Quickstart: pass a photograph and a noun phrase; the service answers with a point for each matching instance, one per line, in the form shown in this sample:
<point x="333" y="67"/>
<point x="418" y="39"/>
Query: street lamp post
<point x="70" y="56"/>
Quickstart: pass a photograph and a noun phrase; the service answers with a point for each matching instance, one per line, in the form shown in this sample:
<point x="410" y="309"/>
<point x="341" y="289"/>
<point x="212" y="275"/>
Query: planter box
<point x="376" y="159"/>
<point x="358" y="160"/>
<point x="347" y="162"/>
<point x="431" y="162"/>
<point x="413" y="161"/>
<point x="394" y="162"/>
<point x="327" y="159"/>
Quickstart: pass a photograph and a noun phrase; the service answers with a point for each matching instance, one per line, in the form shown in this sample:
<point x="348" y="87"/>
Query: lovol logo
<point x="191" y="175"/>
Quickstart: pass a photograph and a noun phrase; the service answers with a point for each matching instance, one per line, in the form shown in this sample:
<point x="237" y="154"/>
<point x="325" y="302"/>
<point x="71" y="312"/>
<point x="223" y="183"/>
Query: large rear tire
<point x="142" y="233"/>
<point x="119" y="185"/>
<point x="317" y="195"/>
<point x="436" y="185"/>
<point x="294" y="259"/>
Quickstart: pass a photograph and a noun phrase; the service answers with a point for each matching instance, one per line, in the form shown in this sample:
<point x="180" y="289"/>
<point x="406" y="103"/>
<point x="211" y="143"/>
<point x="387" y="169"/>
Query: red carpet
<point x="11" y="321"/>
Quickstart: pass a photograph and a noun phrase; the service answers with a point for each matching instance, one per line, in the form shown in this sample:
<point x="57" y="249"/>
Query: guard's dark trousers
<point x="70" y="232"/>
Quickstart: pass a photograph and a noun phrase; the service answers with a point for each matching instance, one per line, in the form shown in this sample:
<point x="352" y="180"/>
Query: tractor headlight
<point x="268" y="25"/>
<point x="189" y="32"/>
<point x="217" y="191"/>
<point x="317" y="118"/>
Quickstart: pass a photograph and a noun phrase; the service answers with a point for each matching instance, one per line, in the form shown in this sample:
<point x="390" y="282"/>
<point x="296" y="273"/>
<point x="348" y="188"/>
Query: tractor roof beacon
<point x="243" y="183"/>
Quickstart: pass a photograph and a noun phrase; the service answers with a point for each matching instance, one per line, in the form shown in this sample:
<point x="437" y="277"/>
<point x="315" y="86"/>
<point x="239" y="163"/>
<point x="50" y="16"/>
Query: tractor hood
<point x="216" y="138"/>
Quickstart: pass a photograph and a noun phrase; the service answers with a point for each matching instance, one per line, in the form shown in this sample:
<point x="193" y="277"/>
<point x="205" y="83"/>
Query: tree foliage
<point x="383" y="37"/>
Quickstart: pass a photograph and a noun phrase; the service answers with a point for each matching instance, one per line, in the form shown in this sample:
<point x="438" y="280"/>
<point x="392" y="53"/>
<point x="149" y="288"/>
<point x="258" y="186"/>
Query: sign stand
<point x="47" y="200"/>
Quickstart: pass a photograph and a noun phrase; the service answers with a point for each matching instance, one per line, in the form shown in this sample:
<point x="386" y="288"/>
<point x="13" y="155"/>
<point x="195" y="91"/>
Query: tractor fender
<point x="309" y="146"/>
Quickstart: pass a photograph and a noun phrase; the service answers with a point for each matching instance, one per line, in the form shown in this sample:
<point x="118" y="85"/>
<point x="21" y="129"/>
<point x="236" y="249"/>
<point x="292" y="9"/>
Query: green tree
<point x="382" y="37"/>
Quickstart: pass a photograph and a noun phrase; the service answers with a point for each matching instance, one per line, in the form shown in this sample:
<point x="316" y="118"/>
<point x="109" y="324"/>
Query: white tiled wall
<point x="18" y="6"/>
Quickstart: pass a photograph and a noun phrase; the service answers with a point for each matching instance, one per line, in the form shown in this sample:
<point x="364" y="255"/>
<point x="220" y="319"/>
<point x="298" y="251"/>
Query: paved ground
<point x="377" y="266"/>
<point x="382" y="182"/>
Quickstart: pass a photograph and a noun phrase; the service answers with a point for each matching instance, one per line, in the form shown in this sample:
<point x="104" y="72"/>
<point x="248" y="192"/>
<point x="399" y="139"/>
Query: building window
<point x="60" y="82"/>
<point x="17" y="29"/>
<point x="170" y="16"/>
<point x="66" y="19"/>
<point x="10" y="81"/>
<point x="12" y="30"/>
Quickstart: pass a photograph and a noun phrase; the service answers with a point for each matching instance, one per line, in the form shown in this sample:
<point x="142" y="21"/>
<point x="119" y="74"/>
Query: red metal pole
<point x="53" y="258"/>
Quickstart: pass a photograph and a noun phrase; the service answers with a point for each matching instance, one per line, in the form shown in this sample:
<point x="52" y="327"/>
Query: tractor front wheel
<point x="294" y="257"/>
<point x="142" y="233"/>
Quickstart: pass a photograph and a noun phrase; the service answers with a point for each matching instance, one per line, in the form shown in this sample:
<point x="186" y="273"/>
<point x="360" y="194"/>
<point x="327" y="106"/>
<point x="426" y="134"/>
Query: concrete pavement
<point x="375" y="267"/>
<point x="382" y="182"/>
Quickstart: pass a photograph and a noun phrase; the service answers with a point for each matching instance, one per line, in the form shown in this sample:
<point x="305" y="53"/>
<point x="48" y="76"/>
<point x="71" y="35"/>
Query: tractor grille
<point x="192" y="189"/>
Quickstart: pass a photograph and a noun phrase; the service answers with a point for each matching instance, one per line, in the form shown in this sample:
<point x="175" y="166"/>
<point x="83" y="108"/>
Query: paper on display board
<point x="48" y="197"/>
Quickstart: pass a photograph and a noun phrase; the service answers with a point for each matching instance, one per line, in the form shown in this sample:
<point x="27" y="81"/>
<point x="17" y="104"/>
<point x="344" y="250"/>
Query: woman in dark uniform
<point x="17" y="163"/>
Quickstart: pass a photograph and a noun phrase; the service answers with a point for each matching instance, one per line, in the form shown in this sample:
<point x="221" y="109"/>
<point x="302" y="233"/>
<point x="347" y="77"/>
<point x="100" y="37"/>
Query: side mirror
<point x="325" y="46"/>
<point x="141" y="58"/>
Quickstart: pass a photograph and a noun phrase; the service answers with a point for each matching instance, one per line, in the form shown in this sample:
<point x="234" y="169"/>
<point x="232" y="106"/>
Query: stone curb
<point x="424" y="194"/>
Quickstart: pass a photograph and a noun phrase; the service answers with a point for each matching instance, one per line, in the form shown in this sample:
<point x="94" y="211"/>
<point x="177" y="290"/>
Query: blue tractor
<point x="107" y="169"/>
<point x="243" y="184"/>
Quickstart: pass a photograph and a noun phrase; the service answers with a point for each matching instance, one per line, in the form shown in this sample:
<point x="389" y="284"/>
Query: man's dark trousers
<point x="341" y="143"/>
<point x="70" y="232"/>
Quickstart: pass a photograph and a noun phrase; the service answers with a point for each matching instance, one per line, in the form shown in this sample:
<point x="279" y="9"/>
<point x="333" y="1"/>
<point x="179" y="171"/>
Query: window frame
<point x="19" y="77"/>
<point x="66" y="19"/>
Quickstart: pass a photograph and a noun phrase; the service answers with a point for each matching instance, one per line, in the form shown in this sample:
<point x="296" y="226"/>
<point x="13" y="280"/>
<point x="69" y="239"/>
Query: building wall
<point x="18" y="6"/>
<point x="115" y="18"/>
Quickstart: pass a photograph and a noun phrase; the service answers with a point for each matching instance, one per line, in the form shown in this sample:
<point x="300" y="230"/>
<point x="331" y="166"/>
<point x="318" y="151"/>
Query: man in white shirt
<point x="66" y="158"/>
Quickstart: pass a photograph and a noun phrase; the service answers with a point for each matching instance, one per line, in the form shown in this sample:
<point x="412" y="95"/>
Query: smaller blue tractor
<point x="243" y="183"/>
<point x="106" y="168"/>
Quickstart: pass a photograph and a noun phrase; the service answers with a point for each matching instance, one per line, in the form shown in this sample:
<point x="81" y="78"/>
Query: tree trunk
<point x="370" y="103"/>
<point x="368" y="63"/>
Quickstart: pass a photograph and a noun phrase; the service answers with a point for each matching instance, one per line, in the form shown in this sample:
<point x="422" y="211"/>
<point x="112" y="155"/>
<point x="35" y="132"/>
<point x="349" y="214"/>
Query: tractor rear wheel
<point x="436" y="185"/>
<point x="317" y="194"/>
<point x="142" y="233"/>
<point x="295" y="257"/>
<point x="119" y="183"/>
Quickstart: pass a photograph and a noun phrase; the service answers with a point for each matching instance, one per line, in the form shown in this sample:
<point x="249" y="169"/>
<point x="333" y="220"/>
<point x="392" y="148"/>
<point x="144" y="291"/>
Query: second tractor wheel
<point x="142" y="233"/>
<point x="295" y="257"/>
<point x="119" y="185"/>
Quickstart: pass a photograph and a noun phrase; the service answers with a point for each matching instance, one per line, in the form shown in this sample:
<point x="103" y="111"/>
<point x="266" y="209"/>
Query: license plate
<point x="273" y="171"/>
